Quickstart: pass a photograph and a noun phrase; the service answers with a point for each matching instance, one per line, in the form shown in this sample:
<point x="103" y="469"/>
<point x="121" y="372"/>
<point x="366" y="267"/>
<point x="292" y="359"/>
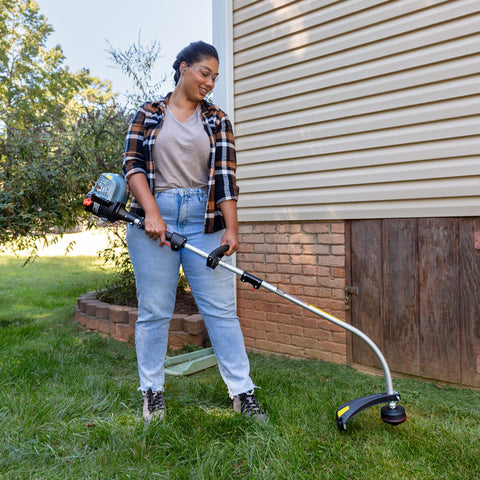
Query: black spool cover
<point x="393" y="416"/>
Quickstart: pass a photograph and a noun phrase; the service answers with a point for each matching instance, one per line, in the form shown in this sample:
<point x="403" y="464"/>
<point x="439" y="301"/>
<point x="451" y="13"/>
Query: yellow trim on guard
<point x="342" y="411"/>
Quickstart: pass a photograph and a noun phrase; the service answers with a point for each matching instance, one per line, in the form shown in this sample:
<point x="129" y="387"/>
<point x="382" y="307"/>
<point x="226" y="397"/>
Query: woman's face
<point x="199" y="78"/>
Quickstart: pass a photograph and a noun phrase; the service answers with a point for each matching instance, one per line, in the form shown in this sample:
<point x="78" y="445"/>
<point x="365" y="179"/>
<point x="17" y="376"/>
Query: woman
<point x="179" y="162"/>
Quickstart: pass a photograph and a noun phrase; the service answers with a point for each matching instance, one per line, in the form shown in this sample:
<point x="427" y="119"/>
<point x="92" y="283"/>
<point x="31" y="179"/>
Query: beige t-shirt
<point x="181" y="153"/>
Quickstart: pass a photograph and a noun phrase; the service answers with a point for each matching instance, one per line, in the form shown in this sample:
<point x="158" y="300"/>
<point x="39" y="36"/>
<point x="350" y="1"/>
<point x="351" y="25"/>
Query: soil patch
<point x="185" y="304"/>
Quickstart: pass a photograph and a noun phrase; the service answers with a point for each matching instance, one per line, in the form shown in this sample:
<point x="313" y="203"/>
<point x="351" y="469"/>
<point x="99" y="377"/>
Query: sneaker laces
<point x="250" y="404"/>
<point x="155" y="400"/>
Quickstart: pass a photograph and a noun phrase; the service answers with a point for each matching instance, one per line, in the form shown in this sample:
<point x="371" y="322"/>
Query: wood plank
<point x="429" y="304"/>
<point x="439" y="299"/>
<point x="400" y="304"/>
<point x="367" y="275"/>
<point x="348" y="281"/>
<point x="469" y="301"/>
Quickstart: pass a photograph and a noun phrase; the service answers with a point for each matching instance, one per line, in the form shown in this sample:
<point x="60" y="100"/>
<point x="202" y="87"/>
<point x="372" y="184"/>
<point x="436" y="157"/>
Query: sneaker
<point x="248" y="405"/>
<point x="153" y="405"/>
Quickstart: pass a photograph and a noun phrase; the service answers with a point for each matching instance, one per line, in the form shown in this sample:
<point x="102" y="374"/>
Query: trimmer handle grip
<point x="214" y="256"/>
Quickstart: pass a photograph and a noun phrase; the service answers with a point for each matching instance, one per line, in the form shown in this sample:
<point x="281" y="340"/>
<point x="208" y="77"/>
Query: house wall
<point x="359" y="109"/>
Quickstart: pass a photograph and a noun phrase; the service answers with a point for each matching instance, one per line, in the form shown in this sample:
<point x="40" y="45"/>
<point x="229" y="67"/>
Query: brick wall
<point x="306" y="260"/>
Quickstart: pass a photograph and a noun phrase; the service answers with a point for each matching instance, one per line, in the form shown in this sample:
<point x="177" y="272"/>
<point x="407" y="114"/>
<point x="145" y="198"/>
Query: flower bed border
<point x="118" y="322"/>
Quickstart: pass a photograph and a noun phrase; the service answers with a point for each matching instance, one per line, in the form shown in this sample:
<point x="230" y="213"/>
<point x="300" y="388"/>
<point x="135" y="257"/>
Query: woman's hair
<point x="193" y="53"/>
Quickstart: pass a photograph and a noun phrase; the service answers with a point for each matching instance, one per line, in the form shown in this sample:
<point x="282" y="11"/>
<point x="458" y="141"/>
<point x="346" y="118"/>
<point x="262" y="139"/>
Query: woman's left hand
<point x="230" y="238"/>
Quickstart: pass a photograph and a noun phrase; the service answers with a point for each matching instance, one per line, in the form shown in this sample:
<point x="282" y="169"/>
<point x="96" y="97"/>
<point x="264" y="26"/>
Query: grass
<point x="69" y="408"/>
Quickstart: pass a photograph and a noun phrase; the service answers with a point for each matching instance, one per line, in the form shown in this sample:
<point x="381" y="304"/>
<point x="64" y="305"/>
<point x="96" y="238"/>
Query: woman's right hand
<point x="155" y="226"/>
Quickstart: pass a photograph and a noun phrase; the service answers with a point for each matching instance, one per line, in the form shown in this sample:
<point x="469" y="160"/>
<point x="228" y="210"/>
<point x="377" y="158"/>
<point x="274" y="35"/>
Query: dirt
<point x="185" y="305"/>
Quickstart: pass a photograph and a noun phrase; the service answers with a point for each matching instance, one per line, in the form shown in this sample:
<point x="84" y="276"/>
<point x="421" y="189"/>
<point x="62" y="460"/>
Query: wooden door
<point x="418" y="298"/>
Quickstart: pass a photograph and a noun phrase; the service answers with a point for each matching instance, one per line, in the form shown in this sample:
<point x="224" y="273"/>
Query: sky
<point x="83" y="27"/>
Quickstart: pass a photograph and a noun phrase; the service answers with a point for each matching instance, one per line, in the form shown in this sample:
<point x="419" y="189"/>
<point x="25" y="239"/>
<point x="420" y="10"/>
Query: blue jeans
<point x="156" y="274"/>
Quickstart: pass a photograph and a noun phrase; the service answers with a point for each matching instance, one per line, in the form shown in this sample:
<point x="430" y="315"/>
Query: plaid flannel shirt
<point x="138" y="156"/>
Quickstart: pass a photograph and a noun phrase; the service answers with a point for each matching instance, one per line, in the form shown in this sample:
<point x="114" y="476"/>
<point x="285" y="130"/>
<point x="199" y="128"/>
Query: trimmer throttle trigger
<point x="176" y="240"/>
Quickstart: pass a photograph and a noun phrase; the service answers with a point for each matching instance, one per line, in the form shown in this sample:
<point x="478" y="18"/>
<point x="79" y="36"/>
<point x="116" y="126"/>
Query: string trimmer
<point x="107" y="200"/>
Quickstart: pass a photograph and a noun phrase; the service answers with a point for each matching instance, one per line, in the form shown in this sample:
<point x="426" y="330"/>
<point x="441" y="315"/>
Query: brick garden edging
<point x="119" y="322"/>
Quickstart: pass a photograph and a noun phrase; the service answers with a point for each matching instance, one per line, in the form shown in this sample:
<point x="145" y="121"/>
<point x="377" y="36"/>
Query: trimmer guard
<point x="348" y="409"/>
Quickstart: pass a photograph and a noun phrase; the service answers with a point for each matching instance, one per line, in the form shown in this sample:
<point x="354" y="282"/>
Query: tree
<point x="137" y="63"/>
<point x="34" y="84"/>
<point x="58" y="130"/>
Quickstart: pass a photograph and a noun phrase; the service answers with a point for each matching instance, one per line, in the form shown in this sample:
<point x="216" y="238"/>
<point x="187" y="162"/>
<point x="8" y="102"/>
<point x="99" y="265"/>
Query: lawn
<point x="69" y="406"/>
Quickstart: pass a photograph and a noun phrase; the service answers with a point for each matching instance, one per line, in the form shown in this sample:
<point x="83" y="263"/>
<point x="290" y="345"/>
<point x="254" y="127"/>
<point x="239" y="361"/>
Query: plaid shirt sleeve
<point x="133" y="156"/>
<point x="137" y="156"/>
<point x="225" y="163"/>
<point x="222" y="176"/>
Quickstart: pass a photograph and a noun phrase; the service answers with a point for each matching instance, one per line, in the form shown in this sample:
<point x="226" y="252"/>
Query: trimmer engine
<point x="108" y="198"/>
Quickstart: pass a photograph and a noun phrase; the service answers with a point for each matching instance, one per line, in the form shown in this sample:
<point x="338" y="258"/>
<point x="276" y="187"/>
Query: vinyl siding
<point x="357" y="109"/>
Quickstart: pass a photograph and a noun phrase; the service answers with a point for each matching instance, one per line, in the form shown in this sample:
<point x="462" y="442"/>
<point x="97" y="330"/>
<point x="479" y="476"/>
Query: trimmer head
<point x="392" y="413"/>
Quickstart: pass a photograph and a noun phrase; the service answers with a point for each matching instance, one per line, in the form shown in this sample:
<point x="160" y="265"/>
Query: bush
<point x="46" y="171"/>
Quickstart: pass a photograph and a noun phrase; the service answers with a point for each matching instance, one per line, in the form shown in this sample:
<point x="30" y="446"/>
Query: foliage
<point x="137" y="62"/>
<point x="34" y="83"/>
<point x="121" y="288"/>
<point x="69" y="406"/>
<point x="58" y="130"/>
<point x="49" y="171"/>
